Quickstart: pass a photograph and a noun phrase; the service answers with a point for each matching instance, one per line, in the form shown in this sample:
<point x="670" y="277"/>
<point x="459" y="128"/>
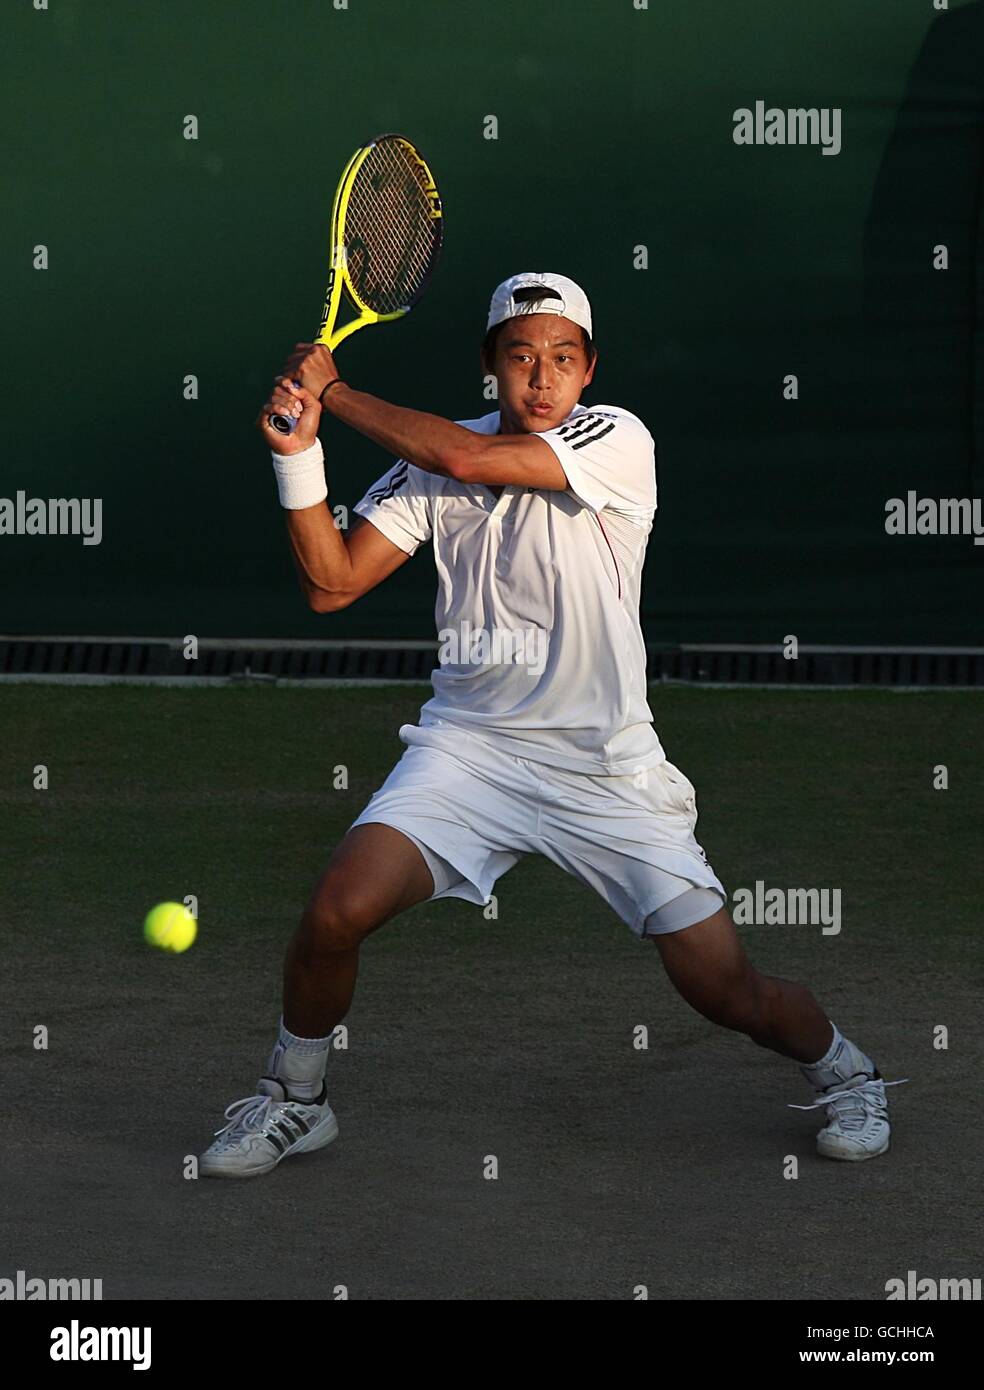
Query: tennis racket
<point x="386" y="230"/>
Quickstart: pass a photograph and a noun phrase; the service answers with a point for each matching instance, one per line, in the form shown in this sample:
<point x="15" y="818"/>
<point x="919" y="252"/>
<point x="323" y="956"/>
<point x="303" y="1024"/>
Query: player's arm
<point x="333" y="570"/>
<point x="430" y="442"/>
<point x="440" y="446"/>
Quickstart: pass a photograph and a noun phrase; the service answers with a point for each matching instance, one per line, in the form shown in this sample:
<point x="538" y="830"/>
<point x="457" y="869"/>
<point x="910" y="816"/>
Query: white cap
<point x="560" y="296"/>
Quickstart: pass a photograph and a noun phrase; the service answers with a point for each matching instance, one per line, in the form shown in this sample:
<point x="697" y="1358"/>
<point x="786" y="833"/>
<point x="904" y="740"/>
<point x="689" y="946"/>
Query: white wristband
<point x="301" y="478"/>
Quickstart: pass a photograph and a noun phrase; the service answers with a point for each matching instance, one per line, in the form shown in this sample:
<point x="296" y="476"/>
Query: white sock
<point x="300" y="1063"/>
<point x="842" y="1060"/>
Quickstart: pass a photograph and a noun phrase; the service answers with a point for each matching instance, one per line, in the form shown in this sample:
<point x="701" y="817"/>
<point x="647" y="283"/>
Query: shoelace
<point x="250" y="1113"/>
<point x="866" y="1100"/>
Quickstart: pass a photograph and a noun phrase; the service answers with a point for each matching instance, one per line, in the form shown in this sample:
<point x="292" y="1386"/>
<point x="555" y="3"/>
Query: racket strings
<point x="389" y="225"/>
<point x="391" y="235"/>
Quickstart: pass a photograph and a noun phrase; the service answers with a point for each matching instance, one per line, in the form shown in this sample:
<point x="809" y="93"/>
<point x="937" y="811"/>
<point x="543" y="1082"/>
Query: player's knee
<point x="734" y="1002"/>
<point x="338" y="916"/>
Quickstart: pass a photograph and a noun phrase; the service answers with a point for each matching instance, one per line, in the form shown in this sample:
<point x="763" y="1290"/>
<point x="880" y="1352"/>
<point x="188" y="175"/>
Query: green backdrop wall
<point x="170" y="257"/>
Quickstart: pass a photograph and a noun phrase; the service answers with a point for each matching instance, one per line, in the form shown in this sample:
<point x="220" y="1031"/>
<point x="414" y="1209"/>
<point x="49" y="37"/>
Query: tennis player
<point x="538" y="738"/>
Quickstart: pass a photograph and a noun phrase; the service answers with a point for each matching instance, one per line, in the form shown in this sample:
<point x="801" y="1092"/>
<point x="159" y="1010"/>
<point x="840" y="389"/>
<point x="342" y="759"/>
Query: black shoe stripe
<point x="276" y="1140"/>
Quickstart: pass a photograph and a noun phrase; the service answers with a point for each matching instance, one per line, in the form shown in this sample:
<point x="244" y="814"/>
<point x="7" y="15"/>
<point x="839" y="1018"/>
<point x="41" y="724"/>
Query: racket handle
<point x="285" y="424"/>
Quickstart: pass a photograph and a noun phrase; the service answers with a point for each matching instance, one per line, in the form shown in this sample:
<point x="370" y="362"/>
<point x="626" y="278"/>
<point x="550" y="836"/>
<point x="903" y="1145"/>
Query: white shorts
<point x="479" y="810"/>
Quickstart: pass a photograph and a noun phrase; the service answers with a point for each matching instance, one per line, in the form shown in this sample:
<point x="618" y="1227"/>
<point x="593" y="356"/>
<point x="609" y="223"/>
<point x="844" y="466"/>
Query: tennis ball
<point x="170" y="927"/>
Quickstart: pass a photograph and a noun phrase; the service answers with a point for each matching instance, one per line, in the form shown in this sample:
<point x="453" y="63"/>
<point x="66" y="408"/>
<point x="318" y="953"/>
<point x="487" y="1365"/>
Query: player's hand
<point x="287" y="399"/>
<point x="312" y="365"/>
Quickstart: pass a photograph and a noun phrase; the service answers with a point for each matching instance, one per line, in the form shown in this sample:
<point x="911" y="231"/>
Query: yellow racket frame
<point x="339" y="280"/>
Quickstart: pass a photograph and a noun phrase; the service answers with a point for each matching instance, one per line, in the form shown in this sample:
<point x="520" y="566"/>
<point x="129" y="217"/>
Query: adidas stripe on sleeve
<point x="399" y="505"/>
<point x="609" y="458"/>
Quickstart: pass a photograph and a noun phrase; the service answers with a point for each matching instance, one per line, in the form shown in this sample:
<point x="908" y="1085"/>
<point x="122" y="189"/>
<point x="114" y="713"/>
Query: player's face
<point x="542" y="368"/>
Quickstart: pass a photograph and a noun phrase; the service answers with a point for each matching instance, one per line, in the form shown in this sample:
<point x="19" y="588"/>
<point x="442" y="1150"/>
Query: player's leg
<point x="375" y="873"/>
<point x="439" y="826"/>
<point x="708" y="966"/>
<point x="631" y="838"/>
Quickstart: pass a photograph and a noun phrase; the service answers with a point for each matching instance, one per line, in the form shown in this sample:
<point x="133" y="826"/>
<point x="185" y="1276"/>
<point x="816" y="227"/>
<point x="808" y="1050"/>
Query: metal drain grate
<point x="132" y="658"/>
<point x="135" y="659"/>
<point x="821" y="666"/>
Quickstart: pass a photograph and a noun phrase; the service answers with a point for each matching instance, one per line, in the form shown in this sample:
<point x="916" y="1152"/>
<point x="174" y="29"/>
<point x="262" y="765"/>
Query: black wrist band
<point x="334" y="382"/>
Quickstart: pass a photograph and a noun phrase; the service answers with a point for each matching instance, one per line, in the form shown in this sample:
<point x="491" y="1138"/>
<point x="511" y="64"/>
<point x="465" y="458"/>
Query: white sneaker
<point x="857" y="1115"/>
<point x="265" y="1128"/>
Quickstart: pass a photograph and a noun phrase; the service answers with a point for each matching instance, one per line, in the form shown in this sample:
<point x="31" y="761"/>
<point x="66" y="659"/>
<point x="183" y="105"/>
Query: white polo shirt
<point x="537" y="606"/>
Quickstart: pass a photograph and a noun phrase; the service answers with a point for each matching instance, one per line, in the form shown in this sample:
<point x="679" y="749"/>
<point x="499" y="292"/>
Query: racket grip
<point x="284" y="424"/>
